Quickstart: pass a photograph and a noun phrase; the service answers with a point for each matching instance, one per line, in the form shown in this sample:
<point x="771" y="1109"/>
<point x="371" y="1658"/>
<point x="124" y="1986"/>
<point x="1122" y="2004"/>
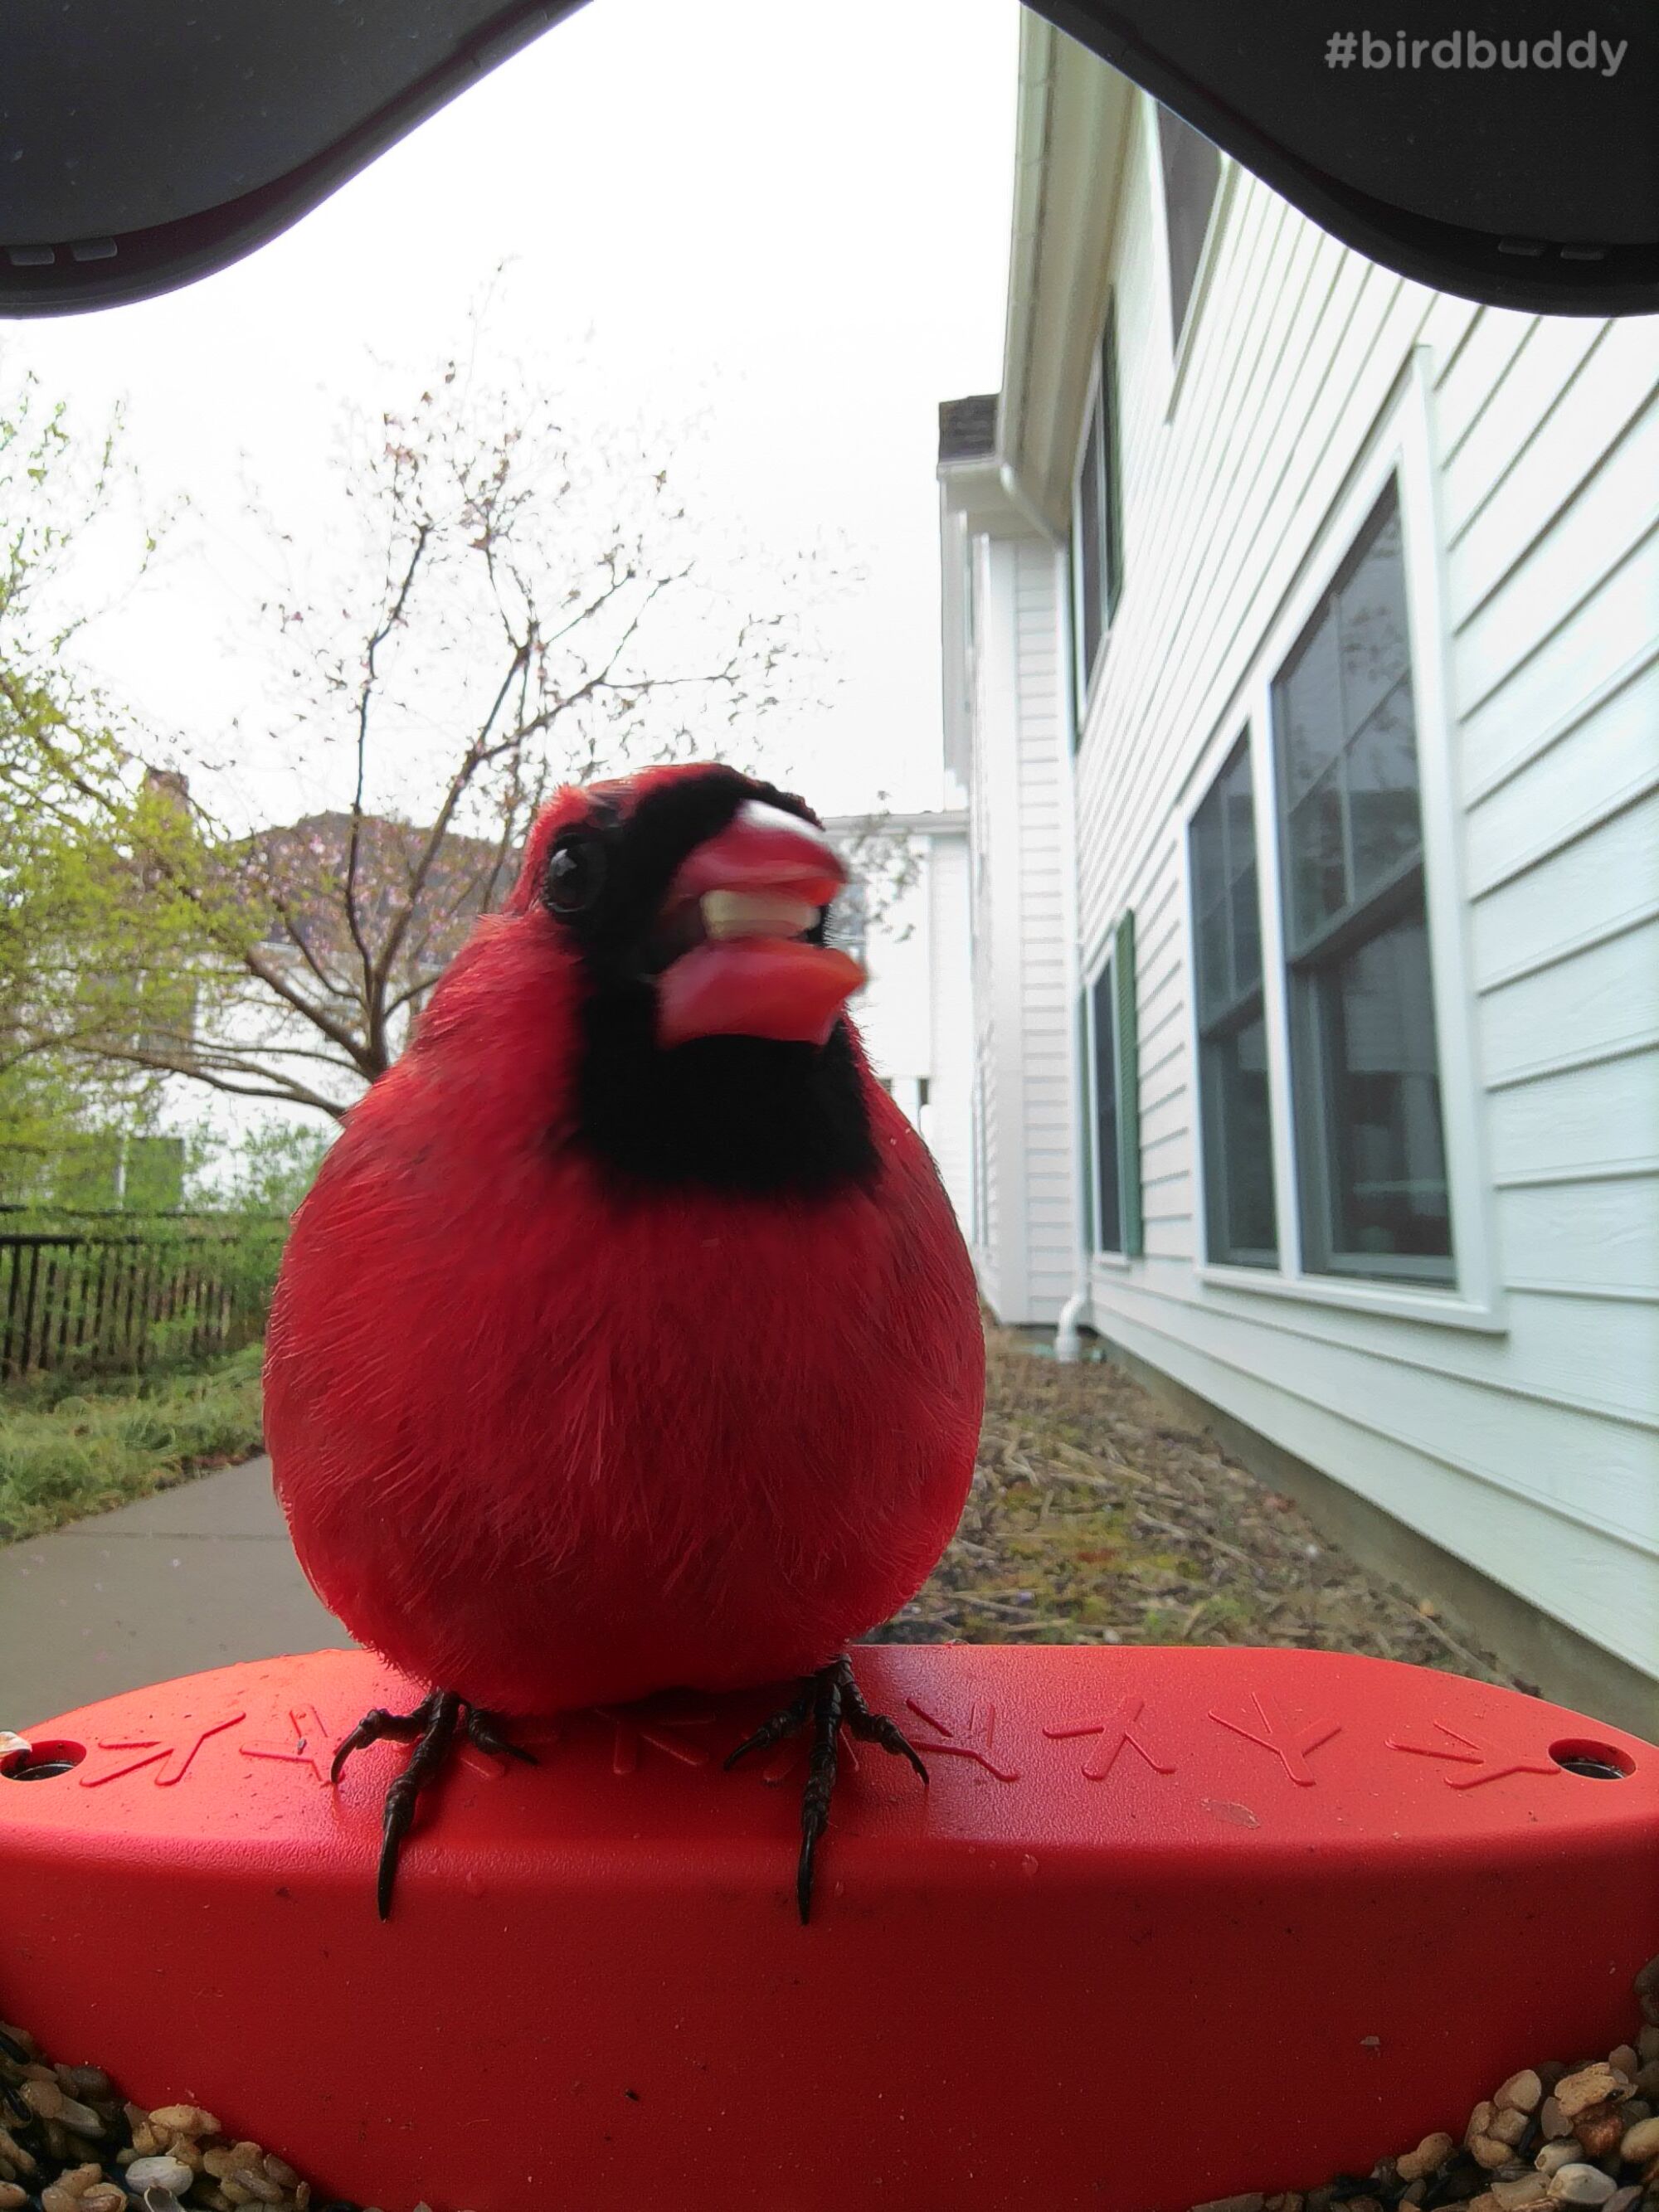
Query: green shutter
<point x="1085" y="1111"/>
<point x="1128" y="1085"/>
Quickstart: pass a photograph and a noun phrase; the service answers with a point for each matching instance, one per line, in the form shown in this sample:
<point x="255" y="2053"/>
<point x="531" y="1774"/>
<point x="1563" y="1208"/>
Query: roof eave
<point x="1073" y="116"/>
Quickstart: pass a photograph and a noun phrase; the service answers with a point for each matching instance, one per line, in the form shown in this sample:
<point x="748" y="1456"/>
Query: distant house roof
<point x="305" y="863"/>
<point x="967" y="428"/>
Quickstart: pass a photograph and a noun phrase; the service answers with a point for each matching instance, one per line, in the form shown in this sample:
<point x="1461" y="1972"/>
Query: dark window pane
<point x="1215" y="990"/>
<point x="1382" y="809"/>
<point x="1318" y="880"/>
<point x="1246" y="933"/>
<point x="1238" y="1147"/>
<point x="1222" y="849"/>
<point x="1308" y="711"/>
<point x="1088" y="548"/>
<point x="1208" y="857"/>
<point x="1372" y="615"/>
<point x="1382" y="1087"/>
<point x="1192" y="169"/>
<point x="1107" y="1202"/>
<point x="1238" y="814"/>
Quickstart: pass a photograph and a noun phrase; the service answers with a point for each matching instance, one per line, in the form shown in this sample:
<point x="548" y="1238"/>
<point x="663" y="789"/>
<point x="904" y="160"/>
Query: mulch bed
<point x="1097" y="1516"/>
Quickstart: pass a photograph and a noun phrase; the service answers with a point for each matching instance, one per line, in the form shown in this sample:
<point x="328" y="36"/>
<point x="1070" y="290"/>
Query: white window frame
<point x="1400" y="447"/>
<point x="1182" y="341"/>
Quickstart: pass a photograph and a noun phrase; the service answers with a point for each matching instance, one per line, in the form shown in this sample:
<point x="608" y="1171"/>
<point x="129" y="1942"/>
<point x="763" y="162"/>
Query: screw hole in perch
<point x="42" y="1762"/>
<point x="1597" y="1762"/>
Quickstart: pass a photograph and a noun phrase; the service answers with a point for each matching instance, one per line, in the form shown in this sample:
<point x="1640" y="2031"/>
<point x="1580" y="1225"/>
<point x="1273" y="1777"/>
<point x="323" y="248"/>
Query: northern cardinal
<point x="627" y="1339"/>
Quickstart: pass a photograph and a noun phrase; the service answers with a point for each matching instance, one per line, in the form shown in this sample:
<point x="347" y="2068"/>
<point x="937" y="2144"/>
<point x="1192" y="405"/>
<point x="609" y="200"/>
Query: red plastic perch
<point x="1168" y="1925"/>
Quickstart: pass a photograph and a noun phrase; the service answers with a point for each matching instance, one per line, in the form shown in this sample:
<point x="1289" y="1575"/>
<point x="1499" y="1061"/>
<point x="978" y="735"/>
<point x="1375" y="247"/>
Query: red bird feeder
<point x="1169" y="1924"/>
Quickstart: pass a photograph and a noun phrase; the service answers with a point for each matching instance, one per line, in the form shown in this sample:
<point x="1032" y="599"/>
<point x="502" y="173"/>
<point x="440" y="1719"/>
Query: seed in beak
<point x="726" y="915"/>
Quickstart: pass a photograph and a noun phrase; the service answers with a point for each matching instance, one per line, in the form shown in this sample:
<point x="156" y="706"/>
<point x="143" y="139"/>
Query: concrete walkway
<point x="196" y="1576"/>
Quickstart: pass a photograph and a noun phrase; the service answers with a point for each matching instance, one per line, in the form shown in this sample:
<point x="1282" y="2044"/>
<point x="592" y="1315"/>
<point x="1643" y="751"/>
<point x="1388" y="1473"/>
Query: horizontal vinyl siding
<point x="1045" y="1012"/>
<point x="987" y="1160"/>
<point x="1530" y="1449"/>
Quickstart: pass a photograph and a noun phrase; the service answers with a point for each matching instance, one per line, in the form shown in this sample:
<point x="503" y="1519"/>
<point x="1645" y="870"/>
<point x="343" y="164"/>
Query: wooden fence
<point x="104" y="1300"/>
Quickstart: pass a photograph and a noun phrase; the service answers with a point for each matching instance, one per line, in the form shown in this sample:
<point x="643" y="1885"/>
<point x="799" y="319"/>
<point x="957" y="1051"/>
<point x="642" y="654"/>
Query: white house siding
<point x="999" y="1238"/>
<point x="947" y="1118"/>
<point x="1026" y="1239"/>
<point x="916" y="1013"/>
<point x="1049" y="1118"/>
<point x="1528" y="1442"/>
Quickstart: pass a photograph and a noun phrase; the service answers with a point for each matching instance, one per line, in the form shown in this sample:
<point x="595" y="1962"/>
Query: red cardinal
<point x="627" y="1341"/>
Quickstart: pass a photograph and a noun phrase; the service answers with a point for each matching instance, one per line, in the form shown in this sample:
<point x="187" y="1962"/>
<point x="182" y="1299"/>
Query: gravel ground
<point x="1098" y="1518"/>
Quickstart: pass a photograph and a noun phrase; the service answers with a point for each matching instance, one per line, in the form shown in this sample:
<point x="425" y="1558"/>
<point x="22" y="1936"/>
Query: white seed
<point x="1554" y="2156"/>
<point x="1581" y="2184"/>
<point x="160" y="2172"/>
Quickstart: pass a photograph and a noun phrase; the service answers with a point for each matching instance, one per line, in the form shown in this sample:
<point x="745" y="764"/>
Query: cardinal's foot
<point x="431" y="1728"/>
<point x="831" y="1699"/>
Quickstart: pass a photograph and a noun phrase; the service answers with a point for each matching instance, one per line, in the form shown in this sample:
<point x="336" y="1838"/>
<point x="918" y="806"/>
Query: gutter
<point x="1037" y="73"/>
<point x="1020" y="500"/>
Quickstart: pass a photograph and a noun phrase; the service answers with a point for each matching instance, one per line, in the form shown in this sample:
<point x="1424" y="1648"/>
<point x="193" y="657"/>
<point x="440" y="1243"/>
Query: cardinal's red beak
<point x="746" y="897"/>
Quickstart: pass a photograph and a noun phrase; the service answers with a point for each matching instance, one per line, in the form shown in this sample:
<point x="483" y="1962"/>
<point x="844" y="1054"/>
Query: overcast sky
<point x="794" y="222"/>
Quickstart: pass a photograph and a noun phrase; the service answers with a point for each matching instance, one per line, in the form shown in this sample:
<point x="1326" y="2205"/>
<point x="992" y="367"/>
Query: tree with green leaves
<point x="508" y="604"/>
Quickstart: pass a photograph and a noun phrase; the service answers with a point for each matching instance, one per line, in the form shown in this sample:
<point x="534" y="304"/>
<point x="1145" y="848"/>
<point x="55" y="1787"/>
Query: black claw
<point x="832" y="1699"/>
<point x="440" y="1713"/>
<point x="780" y="1725"/>
<point x="433" y="1723"/>
<point x="483" y="1730"/>
<point x="403" y="1728"/>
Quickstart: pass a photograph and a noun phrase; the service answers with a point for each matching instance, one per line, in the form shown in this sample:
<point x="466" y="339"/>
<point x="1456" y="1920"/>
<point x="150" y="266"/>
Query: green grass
<point x="70" y="1449"/>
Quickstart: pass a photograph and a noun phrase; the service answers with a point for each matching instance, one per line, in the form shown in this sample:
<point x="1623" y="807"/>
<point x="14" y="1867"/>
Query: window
<point x="1192" y="171"/>
<point x="1113" y="1154"/>
<point x="1236" y="1126"/>
<point x="1371" y="1164"/>
<point x="1096" y="521"/>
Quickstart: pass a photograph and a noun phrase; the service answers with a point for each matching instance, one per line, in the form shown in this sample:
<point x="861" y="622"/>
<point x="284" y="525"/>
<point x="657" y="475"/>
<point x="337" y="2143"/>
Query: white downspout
<point x="1067" y="1343"/>
<point x="1068" y="1346"/>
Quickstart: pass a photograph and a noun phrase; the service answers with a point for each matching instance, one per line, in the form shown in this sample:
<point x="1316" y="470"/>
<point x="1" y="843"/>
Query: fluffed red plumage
<point x="548" y="1443"/>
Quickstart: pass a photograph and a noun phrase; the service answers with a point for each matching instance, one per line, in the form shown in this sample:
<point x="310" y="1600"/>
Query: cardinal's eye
<point x="576" y="874"/>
